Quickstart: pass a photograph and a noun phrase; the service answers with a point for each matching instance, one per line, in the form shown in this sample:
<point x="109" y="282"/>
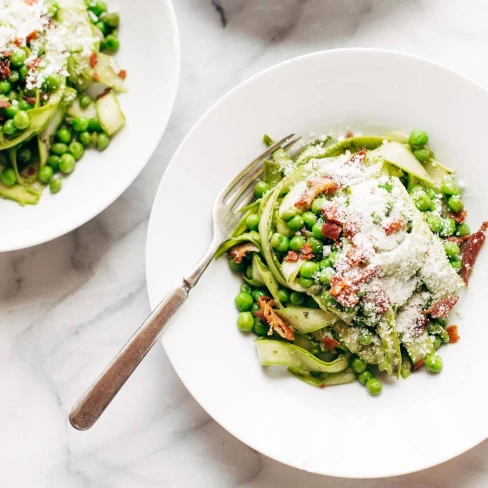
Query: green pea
<point x="102" y="141"/>
<point x="365" y="338"/>
<point x="103" y="28"/>
<point x="53" y="161"/>
<point x="386" y="186"/>
<point x="98" y="7"/>
<point x="85" y="100"/>
<point x="252" y="222"/>
<point x="289" y="213"/>
<point x="431" y="193"/>
<point x="259" y="328"/>
<point x="245" y="321"/>
<point x="63" y="135"/>
<point x="325" y="275"/>
<point x="449" y="187"/>
<point x="305" y="282"/>
<point x="85" y="138"/>
<point x="52" y="82"/>
<point x="55" y="185"/>
<point x="261" y="188"/>
<point x="422" y="155"/>
<point x="434" y="221"/>
<point x="18" y="57"/>
<point x="94" y="125"/>
<point x="246" y="288"/>
<point x="77" y="150"/>
<point x="316" y="245"/>
<point x="296" y="243"/>
<point x="463" y="230"/>
<point x="80" y="124"/>
<point x="248" y="272"/>
<point x="365" y="376"/>
<point x="317" y="205"/>
<point x="455" y="203"/>
<point x="358" y="365"/>
<point x="23" y="71"/>
<point x="433" y="363"/>
<point x="45" y="174"/>
<point x="284" y="245"/>
<point x="421" y="200"/>
<point x="456" y="263"/>
<point x="11" y="111"/>
<point x="67" y="164"/>
<point x="255" y="307"/>
<point x="25" y="105"/>
<point x="24" y="155"/>
<point x="308" y="269"/>
<point x="374" y="386"/>
<point x="111" y="19"/>
<point x="437" y="343"/>
<point x="257" y="294"/>
<point x="317" y="231"/>
<point x="236" y="266"/>
<point x="59" y="148"/>
<point x="452" y="249"/>
<point x="8" y="177"/>
<point x="275" y="240"/>
<point x="327" y="299"/>
<point x="309" y="218"/>
<point x="52" y="7"/>
<point x="9" y="128"/>
<point x="283" y="296"/>
<point x="448" y="227"/>
<point x="418" y="138"/>
<point x="21" y="120"/>
<point x="244" y="302"/>
<point x="297" y="298"/>
<point x="112" y="43"/>
<point x="325" y="263"/>
<point x="332" y="257"/>
<point x="5" y="86"/>
<point x="13" y="77"/>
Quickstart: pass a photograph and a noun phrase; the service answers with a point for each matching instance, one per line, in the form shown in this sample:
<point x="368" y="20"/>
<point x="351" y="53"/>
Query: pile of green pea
<point x="433" y="202"/>
<point x="106" y="22"/>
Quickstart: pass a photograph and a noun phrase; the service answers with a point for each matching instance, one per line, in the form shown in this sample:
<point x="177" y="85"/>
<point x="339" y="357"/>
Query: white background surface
<point x="67" y="306"/>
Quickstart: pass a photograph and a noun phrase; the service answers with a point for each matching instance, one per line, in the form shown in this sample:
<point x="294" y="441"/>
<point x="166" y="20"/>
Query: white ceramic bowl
<point x="150" y="53"/>
<point x="340" y="431"/>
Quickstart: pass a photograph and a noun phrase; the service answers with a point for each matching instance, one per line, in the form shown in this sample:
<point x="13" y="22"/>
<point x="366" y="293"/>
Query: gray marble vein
<point x="67" y="306"/>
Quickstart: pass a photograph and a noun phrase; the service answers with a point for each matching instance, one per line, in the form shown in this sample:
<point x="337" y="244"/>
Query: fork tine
<point x="291" y="143"/>
<point x="251" y="165"/>
<point x="245" y="199"/>
<point x="250" y="178"/>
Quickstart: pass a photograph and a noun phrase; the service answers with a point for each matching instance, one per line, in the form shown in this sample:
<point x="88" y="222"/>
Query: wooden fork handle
<point x="97" y="398"/>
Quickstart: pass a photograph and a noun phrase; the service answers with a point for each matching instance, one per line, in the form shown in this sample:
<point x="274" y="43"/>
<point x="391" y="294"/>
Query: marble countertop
<point x="67" y="306"/>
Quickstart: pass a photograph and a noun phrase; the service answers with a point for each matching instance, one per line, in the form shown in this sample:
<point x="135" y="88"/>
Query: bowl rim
<point x="153" y="300"/>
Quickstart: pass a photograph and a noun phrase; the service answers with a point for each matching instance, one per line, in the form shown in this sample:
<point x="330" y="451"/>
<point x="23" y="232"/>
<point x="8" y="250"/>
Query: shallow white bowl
<point x="150" y="53"/>
<point x="340" y="431"/>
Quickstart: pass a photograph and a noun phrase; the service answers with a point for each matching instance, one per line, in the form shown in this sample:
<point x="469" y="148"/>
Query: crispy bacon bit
<point x="260" y="315"/>
<point x="291" y="257"/>
<point x="17" y="41"/>
<point x="329" y="343"/>
<point x="274" y="321"/>
<point x="393" y="226"/>
<point x="350" y="229"/>
<point x="7" y="53"/>
<point x="34" y="63"/>
<point x="457" y="240"/>
<point x="452" y="330"/>
<point x="381" y="300"/>
<point x="316" y="187"/>
<point x="4" y="103"/>
<point x="459" y="217"/>
<point x="367" y="275"/>
<point x="105" y="92"/>
<point x="358" y="158"/>
<point x="30" y="2"/>
<point x="343" y="291"/>
<point x="4" y="69"/>
<point x="331" y="231"/>
<point x="31" y="171"/>
<point x="471" y="250"/>
<point x="334" y="214"/>
<point x="31" y="36"/>
<point x="306" y="251"/>
<point x="31" y="100"/>
<point x="337" y="285"/>
<point x="349" y="135"/>
<point x="357" y="255"/>
<point x="418" y="364"/>
<point x="93" y="59"/>
<point x="441" y="309"/>
<point x="122" y="74"/>
<point x="237" y="253"/>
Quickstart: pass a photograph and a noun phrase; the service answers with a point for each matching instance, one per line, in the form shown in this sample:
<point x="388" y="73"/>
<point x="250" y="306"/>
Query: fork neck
<point x="192" y="277"/>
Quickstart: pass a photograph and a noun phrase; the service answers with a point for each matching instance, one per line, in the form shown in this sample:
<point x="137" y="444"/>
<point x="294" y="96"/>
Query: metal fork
<point x="236" y="195"/>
